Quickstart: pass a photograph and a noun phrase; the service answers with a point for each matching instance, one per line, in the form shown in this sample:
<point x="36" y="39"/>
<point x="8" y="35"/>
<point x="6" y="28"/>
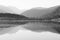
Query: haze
<point x="26" y="34"/>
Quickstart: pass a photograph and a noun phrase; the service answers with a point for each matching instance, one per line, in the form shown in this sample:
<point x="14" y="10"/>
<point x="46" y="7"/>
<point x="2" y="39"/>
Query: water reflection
<point x="9" y="20"/>
<point x="37" y="20"/>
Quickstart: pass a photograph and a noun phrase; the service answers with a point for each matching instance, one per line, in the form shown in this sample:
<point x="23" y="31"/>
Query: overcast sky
<point x="27" y="4"/>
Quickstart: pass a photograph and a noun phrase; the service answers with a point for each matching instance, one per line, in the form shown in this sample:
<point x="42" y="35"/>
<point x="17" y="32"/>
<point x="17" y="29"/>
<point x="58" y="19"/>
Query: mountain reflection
<point x="35" y="20"/>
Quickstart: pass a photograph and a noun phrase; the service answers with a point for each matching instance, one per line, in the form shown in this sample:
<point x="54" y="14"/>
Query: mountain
<point x="9" y="12"/>
<point x="10" y="9"/>
<point x="38" y="12"/>
<point x="44" y="25"/>
<point x="16" y="10"/>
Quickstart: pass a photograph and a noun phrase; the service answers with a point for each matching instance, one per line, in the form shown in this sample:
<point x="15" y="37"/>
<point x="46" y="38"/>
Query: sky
<point x="27" y="4"/>
<point x="28" y="35"/>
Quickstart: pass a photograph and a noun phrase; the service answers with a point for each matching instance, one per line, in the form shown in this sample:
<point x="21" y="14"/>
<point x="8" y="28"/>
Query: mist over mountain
<point x="10" y="9"/>
<point x="16" y="10"/>
<point x="38" y="12"/>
